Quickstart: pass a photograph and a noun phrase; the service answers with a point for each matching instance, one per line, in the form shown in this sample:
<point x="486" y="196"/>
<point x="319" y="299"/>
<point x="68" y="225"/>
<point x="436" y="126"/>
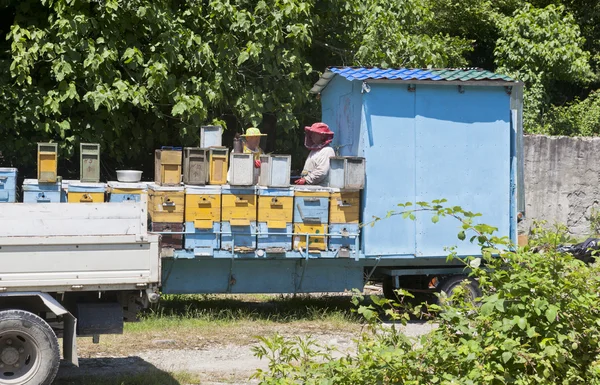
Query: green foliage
<point x="546" y="237"/>
<point x="538" y="322"/>
<point x="581" y="117"/>
<point x="541" y="46"/>
<point x="136" y="75"/>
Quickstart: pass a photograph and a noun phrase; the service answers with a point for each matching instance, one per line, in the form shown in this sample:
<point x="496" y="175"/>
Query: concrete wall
<point x="562" y="181"/>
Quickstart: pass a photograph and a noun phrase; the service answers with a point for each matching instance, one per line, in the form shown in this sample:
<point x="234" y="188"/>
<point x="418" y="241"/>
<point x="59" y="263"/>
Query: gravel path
<point x="217" y="364"/>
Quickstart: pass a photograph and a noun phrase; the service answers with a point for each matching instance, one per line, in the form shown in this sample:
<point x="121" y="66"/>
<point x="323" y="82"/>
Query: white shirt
<point x="316" y="168"/>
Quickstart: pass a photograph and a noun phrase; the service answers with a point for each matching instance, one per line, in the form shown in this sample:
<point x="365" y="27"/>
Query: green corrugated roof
<point x="470" y="74"/>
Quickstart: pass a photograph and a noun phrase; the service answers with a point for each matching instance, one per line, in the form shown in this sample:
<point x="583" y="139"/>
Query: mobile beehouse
<point x="76" y="265"/>
<point x="423" y="135"/>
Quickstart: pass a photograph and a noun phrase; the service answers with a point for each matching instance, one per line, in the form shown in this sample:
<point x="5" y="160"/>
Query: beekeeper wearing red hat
<point x="316" y="169"/>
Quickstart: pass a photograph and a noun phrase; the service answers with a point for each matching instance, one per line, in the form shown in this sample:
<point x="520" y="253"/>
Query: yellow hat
<point x="253" y="131"/>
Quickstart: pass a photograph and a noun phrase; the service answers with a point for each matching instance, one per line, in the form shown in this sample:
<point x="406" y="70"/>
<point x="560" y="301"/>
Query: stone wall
<point x="562" y="181"/>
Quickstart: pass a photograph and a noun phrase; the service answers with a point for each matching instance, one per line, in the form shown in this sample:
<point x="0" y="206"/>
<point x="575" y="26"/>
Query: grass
<point x="152" y="377"/>
<point x="199" y="321"/>
<point x="224" y="309"/>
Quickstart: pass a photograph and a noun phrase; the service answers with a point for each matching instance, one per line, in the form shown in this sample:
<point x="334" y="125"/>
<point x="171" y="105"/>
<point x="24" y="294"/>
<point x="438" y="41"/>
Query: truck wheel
<point x="29" y="352"/>
<point x="449" y="285"/>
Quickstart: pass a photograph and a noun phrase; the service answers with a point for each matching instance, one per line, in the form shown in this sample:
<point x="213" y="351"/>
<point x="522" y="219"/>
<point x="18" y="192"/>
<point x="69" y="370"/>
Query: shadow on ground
<point x="117" y="371"/>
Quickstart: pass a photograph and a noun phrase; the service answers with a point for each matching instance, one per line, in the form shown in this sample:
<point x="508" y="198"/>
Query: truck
<point x="69" y="270"/>
<point x="417" y="135"/>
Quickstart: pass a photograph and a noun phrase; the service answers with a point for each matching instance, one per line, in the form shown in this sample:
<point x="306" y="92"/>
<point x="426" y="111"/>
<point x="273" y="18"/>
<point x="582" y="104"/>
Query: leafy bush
<point x="579" y="118"/>
<point x="537" y="323"/>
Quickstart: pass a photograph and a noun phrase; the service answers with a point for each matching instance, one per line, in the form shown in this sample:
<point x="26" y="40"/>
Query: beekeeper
<point x="251" y="146"/>
<point x="318" y="138"/>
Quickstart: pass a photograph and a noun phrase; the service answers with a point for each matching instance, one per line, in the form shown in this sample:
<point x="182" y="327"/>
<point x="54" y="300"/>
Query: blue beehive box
<point x="342" y="236"/>
<point x="238" y="222"/>
<point x="202" y="231"/>
<point x="8" y="185"/>
<point x="427" y="135"/>
<point x="125" y="191"/>
<point x="311" y="204"/>
<point x="35" y="192"/>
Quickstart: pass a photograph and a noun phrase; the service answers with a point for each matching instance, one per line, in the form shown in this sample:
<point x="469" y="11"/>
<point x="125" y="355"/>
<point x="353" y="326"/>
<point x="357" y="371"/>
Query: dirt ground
<point x="212" y="362"/>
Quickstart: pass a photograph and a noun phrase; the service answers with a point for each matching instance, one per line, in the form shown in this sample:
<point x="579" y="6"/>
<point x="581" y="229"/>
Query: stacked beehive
<point x="204" y="165"/>
<point x="88" y="189"/>
<point x="166" y="198"/>
<point x="311" y="217"/>
<point x="47" y="188"/>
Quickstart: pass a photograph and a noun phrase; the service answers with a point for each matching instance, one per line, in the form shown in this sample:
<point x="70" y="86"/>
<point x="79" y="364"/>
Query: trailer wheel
<point x="449" y="284"/>
<point x="29" y="352"/>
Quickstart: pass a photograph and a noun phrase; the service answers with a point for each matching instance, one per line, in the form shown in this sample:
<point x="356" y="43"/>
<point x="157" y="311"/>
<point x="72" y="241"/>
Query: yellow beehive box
<point x="127" y="188"/>
<point x="315" y="242"/>
<point x="218" y="163"/>
<point x="203" y="206"/>
<point x="85" y="192"/>
<point x="47" y="162"/>
<point x="166" y="204"/>
<point x="167" y="167"/>
<point x="239" y="205"/>
<point x="275" y="207"/>
<point x="344" y="207"/>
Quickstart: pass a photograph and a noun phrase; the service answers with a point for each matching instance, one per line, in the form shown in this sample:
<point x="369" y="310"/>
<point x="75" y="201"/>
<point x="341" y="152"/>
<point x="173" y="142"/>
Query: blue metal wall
<point x="208" y="275"/>
<point x="428" y="143"/>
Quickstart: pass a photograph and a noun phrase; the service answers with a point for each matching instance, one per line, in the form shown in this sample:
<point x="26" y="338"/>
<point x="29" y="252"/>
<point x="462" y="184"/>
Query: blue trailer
<point x="425" y="134"/>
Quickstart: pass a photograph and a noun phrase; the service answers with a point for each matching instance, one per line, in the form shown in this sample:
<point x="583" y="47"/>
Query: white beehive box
<point x="211" y="136"/>
<point x="347" y="172"/>
<point x="275" y="170"/>
<point x="241" y="169"/>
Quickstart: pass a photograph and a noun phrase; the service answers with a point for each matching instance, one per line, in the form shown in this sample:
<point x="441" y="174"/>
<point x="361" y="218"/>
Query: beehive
<point x="211" y="136"/>
<point x="275" y="218"/>
<point x="36" y="192"/>
<point x="241" y="169"/>
<point x="47" y="162"/>
<point x="218" y="163"/>
<point x="202" y="219"/>
<point x="166" y="204"/>
<point x="347" y="172"/>
<point x="167" y="166"/>
<point x="275" y="170"/>
<point x="195" y="166"/>
<point x="89" y="162"/>
<point x="344" y="207"/>
<point x="311" y="205"/>
<point x="315" y="242"/>
<point x="124" y="192"/>
<point x="86" y="192"/>
<point x="344" y="216"/>
<point x="169" y="241"/>
<point x="238" y="219"/>
<point x="8" y="185"/>
<point x="343" y="236"/>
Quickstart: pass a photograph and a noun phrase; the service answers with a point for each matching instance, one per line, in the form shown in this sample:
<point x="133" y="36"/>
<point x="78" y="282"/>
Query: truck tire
<point x="450" y="283"/>
<point x="29" y="352"/>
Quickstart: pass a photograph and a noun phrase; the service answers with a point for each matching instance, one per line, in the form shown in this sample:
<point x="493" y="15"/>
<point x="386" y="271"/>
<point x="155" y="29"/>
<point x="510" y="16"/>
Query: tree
<point x="134" y="75"/>
<point x="542" y="47"/>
